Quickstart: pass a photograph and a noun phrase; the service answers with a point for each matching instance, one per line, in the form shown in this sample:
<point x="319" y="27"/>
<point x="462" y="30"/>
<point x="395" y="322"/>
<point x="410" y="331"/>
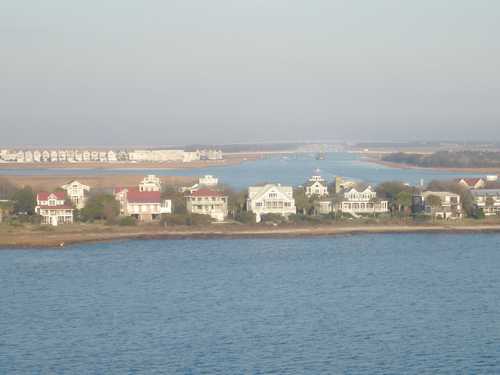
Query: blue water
<point x="295" y="171"/>
<point x="367" y="304"/>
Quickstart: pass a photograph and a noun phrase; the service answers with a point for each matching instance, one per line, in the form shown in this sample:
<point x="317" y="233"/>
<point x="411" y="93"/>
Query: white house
<point x="28" y="156"/>
<point x="52" y="209"/>
<point x="37" y="156"/>
<point x="207" y="202"/>
<point x="45" y="156"/>
<point x="76" y="191"/>
<point x="316" y="186"/>
<point x="20" y="156"/>
<point x="86" y="155"/>
<point x="112" y="156"/>
<point x="271" y="199"/>
<point x="362" y="201"/>
<point x="150" y="183"/>
<point x="449" y="207"/>
<point x="487" y="200"/>
<point x="54" y="156"/>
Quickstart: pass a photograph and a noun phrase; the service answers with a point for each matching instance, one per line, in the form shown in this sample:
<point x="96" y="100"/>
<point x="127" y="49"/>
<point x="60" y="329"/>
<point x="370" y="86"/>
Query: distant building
<point x="271" y="199"/>
<point x="487" y="200"/>
<point x="54" y="158"/>
<point x="45" y="156"/>
<point x="52" y="209"/>
<point x="316" y="186"/>
<point x="20" y="156"/>
<point x="111" y="156"/>
<point x="86" y="156"/>
<point x="324" y="207"/>
<point x="76" y="192"/>
<point x="208" y="202"/>
<point x="37" y="156"/>
<point x="28" y="157"/>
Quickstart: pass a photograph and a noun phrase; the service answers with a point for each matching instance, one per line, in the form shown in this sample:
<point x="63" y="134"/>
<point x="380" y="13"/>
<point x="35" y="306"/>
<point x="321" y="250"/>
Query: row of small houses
<point x="107" y="156"/>
<point x="144" y="202"/>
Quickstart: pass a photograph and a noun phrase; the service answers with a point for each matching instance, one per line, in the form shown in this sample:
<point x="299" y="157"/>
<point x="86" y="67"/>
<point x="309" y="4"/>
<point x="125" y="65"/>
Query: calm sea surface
<point x="372" y="304"/>
<point x="293" y="170"/>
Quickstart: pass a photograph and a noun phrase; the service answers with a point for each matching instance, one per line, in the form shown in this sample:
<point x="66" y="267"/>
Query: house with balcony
<point x="209" y="202"/>
<point x="442" y="205"/>
<point x="271" y="199"/>
<point x="52" y="208"/>
<point x="362" y="200"/>
<point x="77" y="193"/>
<point x="487" y="200"/>
<point x="316" y="186"/>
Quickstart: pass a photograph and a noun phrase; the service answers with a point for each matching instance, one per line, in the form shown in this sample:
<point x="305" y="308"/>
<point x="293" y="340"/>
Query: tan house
<point x="52" y="208"/>
<point x="207" y="202"/>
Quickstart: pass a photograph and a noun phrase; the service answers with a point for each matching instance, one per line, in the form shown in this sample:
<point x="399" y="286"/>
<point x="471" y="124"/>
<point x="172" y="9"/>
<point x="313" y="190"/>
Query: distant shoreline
<point x="230" y="160"/>
<point x="20" y="238"/>
<point x="391" y="164"/>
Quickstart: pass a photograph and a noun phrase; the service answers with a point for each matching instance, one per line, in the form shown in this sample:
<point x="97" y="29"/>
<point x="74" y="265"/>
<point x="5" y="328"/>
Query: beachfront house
<point x="207" y="201"/>
<point x="77" y="193"/>
<point x="52" y="208"/>
<point x="442" y="204"/>
<point x="487" y="200"/>
<point x="271" y="199"/>
<point x="316" y="186"/>
<point x="362" y="200"/>
<point x="324" y="206"/>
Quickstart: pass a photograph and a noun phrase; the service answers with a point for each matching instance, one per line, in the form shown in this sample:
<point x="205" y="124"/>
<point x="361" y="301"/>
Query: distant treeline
<point x="448" y="159"/>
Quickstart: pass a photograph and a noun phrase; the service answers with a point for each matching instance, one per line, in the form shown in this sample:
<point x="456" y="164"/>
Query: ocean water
<point x="294" y="170"/>
<point x="365" y="304"/>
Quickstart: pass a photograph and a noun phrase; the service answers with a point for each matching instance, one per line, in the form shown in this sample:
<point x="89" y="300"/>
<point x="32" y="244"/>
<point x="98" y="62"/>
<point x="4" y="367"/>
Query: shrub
<point x="185" y="219"/>
<point x="127" y="221"/>
<point x="246" y="217"/>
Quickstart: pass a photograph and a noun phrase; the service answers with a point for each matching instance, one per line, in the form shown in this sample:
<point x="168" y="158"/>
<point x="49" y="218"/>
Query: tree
<point x="24" y="201"/>
<point x="403" y="200"/>
<point x="6" y="188"/>
<point x="101" y="206"/>
<point x="178" y="200"/>
<point x="304" y="204"/>
<point x="433" y="201"/>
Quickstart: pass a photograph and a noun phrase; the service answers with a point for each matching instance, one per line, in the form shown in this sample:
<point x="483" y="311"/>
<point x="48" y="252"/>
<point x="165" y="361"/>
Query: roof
<point x="134" y="196"/>
<point x="44" y="196"/>
<point x="206" y="193"/>
<point x="255" y="192"/>
<point x="471" y="181"/>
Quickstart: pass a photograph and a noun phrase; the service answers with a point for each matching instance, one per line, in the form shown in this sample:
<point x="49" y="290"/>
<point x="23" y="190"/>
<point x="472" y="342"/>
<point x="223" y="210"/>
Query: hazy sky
<point x="123" y="72"/>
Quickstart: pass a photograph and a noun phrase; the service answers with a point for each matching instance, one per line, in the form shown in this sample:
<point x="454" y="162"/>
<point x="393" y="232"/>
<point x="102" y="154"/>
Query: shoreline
<point x="23" y="239"/>
<point x="229" y="160"/>
<point x="391" y="164"/>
